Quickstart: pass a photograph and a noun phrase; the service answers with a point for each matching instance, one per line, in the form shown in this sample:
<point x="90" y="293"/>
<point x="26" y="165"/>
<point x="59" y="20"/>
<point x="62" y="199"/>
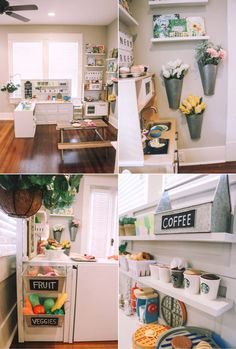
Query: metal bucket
<point x="57" y="235"/>
<point x="73" y="233"/>
<point x="195" y="125"/>
<point x="173" y="91"/>
<point x="208" y="76"/>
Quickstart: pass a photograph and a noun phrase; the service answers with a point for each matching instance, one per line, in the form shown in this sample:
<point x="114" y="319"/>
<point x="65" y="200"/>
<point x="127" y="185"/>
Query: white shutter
<point x="63" y="62"/>
<point x="133" y="191"/>
<point x="102" y="222"/>
<point x="8" y="230"/>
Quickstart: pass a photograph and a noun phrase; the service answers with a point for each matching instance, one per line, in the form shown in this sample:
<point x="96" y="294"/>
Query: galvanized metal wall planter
<point x="195" y="125"/>
<point x="173" y="91"/>
<point x="208" y="76"/>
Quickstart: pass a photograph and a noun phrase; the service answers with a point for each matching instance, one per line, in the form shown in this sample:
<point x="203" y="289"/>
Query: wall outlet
<point x="181" y="156"/>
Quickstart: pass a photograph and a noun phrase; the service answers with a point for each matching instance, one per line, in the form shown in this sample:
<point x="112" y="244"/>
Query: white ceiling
<point x="68" y="12"/>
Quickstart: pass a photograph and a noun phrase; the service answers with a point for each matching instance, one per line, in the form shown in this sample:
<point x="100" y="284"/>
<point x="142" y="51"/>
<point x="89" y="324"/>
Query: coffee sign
<point x="43" y="321"/>
<point x="43" y="285"/>
<point x="178" y="220"/>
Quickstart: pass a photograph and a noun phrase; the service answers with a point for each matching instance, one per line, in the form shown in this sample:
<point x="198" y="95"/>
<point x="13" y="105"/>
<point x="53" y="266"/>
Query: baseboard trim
<point x="231" y="151"/>
<point x="6" y="116"/>
<point x="202" y="156"/>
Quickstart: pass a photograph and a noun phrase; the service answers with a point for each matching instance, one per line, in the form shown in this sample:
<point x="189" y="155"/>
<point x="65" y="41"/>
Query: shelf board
<point x="195" y="237"/>
<point x="94" y="66"/>
<point x="163" y="3"/>
<point x="214" y="308"/>
<point x="184" y="38"/>
<point x="111" y="59"/>
<point x="126" y="18"/>
<point x="95" y="54"/>
<point x="111" y="72"/>
<point x="61" y="215"/>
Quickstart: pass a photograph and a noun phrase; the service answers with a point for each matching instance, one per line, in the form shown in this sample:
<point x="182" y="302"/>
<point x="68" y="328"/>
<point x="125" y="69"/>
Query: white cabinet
<point x="24" y="121"/>
<point x="51" y="113"/>
<point x="96" y="312"/>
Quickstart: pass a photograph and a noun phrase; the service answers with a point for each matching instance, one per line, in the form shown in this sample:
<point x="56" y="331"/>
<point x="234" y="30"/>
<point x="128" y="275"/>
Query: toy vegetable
<point x="39" y="309"/>
<point x="48" y="304"/>
<point x="34" y="299"/>
<point x="62" y="297"/>
<point x="27" y="310"/>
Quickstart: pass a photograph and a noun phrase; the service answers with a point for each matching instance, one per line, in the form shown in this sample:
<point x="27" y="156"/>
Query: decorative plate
<point x="196" y="334"/>
<point x="173" y="311"/>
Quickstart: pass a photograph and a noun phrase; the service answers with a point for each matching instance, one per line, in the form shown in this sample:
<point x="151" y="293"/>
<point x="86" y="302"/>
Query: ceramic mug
<point x="141" y="313"/>
<point x="164" y="273"/>
<point x="177" y="277"/>
<point x="192" y="281"/>
<point x="154" y="271"/>
<point x="209" y="285"/>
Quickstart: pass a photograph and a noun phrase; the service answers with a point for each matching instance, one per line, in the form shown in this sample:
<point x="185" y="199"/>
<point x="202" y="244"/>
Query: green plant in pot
<point x="121" y="227"/>
<point x="10" y="87"/>
<point x="129" y="225"/>
<point x="22" y="195"/>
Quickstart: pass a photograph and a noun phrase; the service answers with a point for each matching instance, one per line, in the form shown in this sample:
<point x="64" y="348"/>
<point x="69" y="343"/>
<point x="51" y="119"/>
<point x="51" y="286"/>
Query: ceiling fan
<point x="9" y="10"/>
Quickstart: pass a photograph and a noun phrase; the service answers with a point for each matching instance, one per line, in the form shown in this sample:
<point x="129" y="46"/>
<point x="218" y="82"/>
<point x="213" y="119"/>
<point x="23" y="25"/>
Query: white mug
<point x="141" y="313"/>
<point x="209" y="286"/>
<point x="154" y="271"/>
<point x="191" y="283"/>
<point x="164" y="273"/>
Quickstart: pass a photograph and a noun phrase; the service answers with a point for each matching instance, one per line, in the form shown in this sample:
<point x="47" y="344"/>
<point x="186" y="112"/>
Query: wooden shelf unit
<point x="176" y="39"/>
<point x="168" y="3"/>
<point x="126" y="18"/>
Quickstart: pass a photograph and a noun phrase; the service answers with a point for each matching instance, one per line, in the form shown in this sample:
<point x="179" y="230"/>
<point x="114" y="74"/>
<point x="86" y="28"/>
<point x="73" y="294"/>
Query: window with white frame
<point x="8" y="230"/>
<point x="46" y="56"/>
<point x="102" y="227"/>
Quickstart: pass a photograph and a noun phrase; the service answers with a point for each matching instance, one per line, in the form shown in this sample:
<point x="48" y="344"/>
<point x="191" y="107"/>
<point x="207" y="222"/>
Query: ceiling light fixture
<point x="51" y="14"/>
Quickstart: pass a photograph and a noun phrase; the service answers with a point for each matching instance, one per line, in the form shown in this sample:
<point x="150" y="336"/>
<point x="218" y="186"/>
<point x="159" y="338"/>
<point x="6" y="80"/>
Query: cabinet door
<point x="96" y="314"/>
<point x="65" y="112"/>
<point x="46" y="113"/>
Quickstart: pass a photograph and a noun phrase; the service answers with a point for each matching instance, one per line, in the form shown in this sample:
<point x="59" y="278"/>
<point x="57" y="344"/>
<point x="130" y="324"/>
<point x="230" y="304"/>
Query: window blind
<point x="8" y="230"/>
<point x="63" y="62"/>
<point x="133" y="191"/>
<point x="102" y="222"/>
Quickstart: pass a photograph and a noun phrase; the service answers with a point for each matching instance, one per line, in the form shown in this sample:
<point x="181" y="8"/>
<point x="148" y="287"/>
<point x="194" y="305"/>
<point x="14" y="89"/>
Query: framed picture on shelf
<point x="196" y="26"/>
<point x="101" y="48"/>
<point x="162" y="26"/>
<point x="91" y="61"/>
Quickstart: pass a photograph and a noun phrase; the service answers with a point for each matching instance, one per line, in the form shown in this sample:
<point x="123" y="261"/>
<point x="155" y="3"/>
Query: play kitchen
<point x="152" y="141"/>
<point x="180" y="294"/>
<point x="57" y="295"/>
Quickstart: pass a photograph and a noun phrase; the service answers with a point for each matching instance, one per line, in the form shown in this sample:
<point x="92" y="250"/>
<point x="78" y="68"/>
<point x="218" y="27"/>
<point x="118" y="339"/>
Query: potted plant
<point x="129" y="225"/>
<point x="66" y="245"/>
<point x="73" y="227"/>
<point x="173" y="74"/>
<point x="22" y="195"/>
<point x="57" y="231"/>
<point x="10" y="87"/>
<point x="121" y="227"/>
<point x="193" y="108"/>
<point x="208" y="57"/>
<point x="112" y="101"/>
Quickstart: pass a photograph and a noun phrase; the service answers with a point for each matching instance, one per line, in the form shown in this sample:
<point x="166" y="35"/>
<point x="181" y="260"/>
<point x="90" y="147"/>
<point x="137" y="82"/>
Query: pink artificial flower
<point x="222" y="54"/>
<point x="213" y="53"/>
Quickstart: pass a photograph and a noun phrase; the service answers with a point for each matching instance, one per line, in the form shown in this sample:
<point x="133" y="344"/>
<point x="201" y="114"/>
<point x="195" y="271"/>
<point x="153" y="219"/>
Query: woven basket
<point x="130" y="229"/>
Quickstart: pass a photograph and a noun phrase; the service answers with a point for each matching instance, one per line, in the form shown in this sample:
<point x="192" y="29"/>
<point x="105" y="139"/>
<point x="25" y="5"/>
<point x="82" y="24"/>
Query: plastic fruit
<point x="34" y="299"/>
<point x="59" y="312"/>
<point x="48" y="304"/>
<point x="62" y="297"/>
<point x="39" y="309"/>
<point x="27" y="310"/>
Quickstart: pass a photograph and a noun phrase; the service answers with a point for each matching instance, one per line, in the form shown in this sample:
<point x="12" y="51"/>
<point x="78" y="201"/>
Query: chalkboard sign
<point x="43" y="285"/>
<point x="43" y="321"/>
<point x="178" y="220"/>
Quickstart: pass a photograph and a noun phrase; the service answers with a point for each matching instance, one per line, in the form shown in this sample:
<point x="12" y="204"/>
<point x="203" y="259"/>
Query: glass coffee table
<point x="98" y="126"/>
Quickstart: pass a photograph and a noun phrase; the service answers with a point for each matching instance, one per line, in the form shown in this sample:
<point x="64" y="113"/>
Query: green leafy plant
<point x="129" y="220"/>
<point x="208" y="53"/>
<point x="58" y="191"/>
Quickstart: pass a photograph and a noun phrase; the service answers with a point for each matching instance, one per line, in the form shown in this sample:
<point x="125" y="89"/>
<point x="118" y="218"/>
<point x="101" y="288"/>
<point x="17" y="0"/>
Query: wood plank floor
<point x="40" y="154"/>
<point x="227" y="167"/>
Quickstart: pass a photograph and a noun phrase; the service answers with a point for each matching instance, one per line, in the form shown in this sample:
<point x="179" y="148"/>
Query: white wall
<point x="155" y="55"/>
<point x="211" y="257"/>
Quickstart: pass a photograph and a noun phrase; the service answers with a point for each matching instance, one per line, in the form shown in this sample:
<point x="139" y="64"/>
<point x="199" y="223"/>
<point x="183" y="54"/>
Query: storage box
<point x="213" y="215"/>
<point x="123" y="262"/>
<point x="140" y="268"/>
<point x="42" y="283"/>
<point x="44" y="320"/>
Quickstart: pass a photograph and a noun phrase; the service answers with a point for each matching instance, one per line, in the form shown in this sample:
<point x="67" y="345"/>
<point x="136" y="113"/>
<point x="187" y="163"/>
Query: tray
<point x="196" y="334"/>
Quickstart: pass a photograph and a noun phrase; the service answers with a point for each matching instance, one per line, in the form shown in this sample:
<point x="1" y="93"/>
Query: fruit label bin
<point x="212" y="214"/>
<point x="36" y="280"/>
<point x="44" y="320"/>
